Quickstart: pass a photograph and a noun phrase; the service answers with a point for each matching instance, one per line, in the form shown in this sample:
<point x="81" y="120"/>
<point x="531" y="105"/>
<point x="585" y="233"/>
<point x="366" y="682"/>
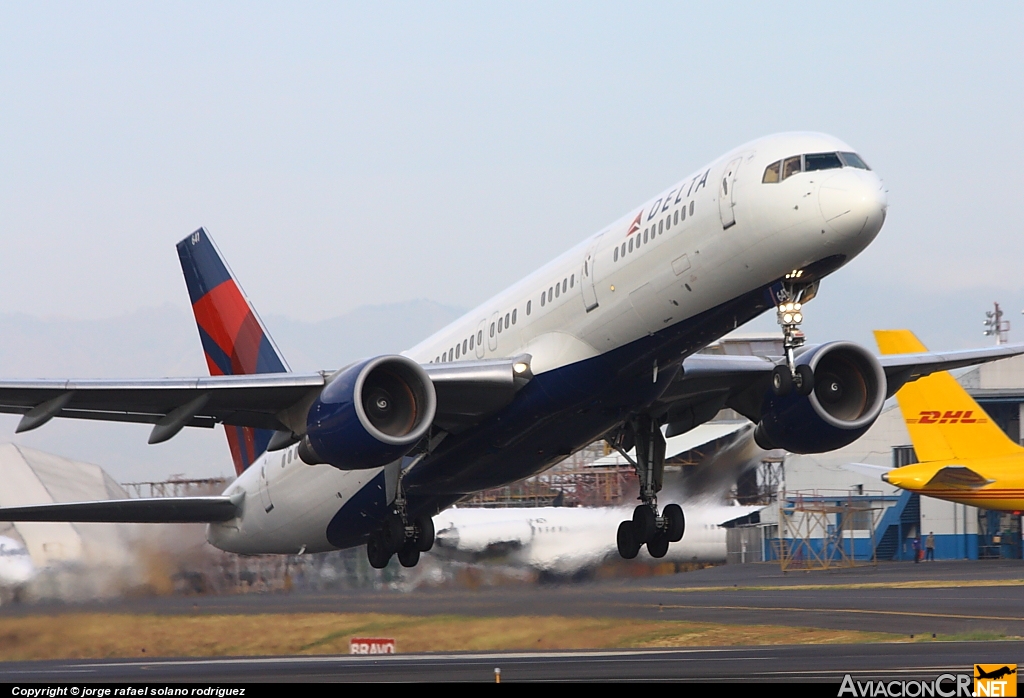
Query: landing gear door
<point x="726" y="198"/>
<point x="587" y="276"/>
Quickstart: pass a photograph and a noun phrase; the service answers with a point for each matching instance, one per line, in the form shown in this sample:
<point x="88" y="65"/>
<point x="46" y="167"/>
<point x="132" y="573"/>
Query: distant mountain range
<point x="163" y="341"/>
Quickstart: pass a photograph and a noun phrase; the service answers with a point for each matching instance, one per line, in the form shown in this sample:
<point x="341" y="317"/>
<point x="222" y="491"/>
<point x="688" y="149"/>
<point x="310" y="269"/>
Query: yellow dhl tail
<point x="945" y="423"/>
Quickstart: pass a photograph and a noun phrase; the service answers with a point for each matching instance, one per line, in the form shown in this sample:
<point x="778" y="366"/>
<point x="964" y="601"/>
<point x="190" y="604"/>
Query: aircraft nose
<point x="853" y="203"/>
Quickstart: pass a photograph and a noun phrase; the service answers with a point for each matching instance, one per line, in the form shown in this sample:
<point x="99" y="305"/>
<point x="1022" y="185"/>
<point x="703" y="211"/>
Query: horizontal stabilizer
<point x="959" y="477"/>
<point x="149" y="510"/>
<point x="866" y="469"/>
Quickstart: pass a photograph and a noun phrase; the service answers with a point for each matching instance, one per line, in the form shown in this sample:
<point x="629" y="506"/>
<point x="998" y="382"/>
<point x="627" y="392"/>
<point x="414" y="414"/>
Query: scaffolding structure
<point x="575" y="482"/>
<point x="176" y="486"/>
<point x="817" y="529"/>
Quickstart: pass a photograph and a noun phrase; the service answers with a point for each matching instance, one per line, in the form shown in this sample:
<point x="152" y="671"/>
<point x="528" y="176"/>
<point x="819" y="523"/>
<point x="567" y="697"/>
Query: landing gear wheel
<point x="424" y="533"/>
<point x="676" y="522"/>
<point x="782" y="380"/>
<point x="626" y="540"/>
<point x="645" y="523"/>
<point x="659" y="546"/>
<point x="392" y="534"/>
<point x="806" y="382"/>
<point x="377" y="555"/>
<point x="409" y="555"/>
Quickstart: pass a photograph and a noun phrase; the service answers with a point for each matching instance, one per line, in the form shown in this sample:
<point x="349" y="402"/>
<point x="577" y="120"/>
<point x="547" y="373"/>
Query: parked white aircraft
<point x="16" y="568"/>
<point x="599" y="343"/>
<point x="565" y="541"/>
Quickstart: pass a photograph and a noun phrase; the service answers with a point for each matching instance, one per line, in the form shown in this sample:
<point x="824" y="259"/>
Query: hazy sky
<point x="344" y="154"/>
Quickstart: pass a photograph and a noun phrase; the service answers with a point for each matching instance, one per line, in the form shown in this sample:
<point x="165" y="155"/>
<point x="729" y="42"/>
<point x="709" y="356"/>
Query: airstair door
<point x="726" y="198"/>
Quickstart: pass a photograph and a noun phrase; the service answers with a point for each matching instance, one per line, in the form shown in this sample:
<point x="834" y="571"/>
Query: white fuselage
<point x="716" y="235"/>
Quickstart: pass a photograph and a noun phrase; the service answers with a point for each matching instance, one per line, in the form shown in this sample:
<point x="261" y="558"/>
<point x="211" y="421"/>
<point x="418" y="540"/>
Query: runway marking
<point x="920" y="584"/>
<point x="921" y="614"/>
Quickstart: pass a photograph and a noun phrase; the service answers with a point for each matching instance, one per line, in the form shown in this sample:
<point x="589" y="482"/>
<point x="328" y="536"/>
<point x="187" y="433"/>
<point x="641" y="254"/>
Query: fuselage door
<point x="492" y="333"/>
<point x="587" y="276"/>
<point x="268" y="504"/>
<point x="726" y="198"/>
<point x="481" y="330"/>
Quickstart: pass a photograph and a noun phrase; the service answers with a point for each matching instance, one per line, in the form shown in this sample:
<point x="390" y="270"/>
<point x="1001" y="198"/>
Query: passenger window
<point x="661" y="225"/>
<point x="631" y="244"/>
<point x="480" y="337"/>
<point x="572" y="280"/>
<point x="458" y="350"/>
<point x="565" y="285"/>
<point x="668" y="222"/>
<point x="444" y="356"/>
<point x="500" y="325"/>
<point x="557" y="286"/>
<point x="615" y="255"/>
<point x="790" y="166"/>
<point x="543" y="297"/>
<point x="451" y="353"/>
<point x="853" y="160"/>
<point x="645" y="236"/>
<point x="514" y="316"/>
<point x="529" y="305"/>
<point x="691" y="208"/>
<point x="822" y="161"/>
<point x="771" y="173"/>
<point x="492" y="329"/>
<point x="472" y="343"/>
<point x="682" y="216"/>
<point x="506" y="320"/>
<point x="465" y="345"/>
<point x="677" y="217"/>
<point x="550" y="295"/>
<point x="623" y="249"/>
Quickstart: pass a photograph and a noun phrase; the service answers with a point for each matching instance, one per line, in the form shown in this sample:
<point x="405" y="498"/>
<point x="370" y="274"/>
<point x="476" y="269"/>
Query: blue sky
<point x="344" y="154"/>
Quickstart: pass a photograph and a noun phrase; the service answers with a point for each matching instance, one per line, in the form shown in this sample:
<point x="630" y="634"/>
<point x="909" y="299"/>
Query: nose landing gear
<point x="794" y="294"/>
<point x="647" y="527"/>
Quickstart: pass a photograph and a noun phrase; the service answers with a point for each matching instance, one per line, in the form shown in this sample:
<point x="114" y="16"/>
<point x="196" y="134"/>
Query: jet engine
<point x="849" y="388"/>
<point x="370" y="414"/>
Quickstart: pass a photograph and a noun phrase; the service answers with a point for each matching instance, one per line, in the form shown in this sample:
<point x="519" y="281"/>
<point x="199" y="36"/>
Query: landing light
<point x="798" y="317"/>
<point x="787" y="318"/>
<point x="520" y="367"/>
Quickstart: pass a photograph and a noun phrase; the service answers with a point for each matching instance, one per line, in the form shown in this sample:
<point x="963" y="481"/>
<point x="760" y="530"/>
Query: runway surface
<point x="959" y="600"/>
<point x="781" y="663"/>
<point x="868" y="598"/>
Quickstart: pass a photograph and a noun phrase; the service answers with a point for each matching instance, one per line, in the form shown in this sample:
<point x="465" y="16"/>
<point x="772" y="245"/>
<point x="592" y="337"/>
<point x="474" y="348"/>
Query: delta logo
<point x="635" y="225"/>
<point x="995" y="680"/>
<point x="947" y="417"/>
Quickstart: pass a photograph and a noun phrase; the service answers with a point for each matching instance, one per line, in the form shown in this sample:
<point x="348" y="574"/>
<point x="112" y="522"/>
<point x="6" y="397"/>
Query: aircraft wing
<point x="149" y="510"/>
<point x="710" y="382"/>
<point x="466" y="392"/>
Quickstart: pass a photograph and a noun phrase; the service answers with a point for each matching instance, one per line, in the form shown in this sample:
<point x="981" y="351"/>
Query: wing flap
<point x="149" y="510"/>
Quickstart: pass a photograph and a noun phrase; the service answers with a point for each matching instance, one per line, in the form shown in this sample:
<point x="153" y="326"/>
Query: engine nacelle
<point x="849" y="391"/>
<point x="370" y="414"/>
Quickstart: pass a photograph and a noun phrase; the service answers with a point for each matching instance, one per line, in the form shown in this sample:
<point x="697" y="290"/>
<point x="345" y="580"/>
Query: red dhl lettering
<point x="947" y="417"/>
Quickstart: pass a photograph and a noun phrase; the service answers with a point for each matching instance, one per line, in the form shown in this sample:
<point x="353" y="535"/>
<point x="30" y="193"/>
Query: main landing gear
<point x="647" y="527"/>
<point x="398" y="535"/>
<point x="789" y="377"/>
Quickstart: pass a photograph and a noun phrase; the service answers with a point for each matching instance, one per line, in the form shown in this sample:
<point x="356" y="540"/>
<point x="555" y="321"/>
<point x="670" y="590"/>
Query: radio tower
<point x="996" y="326"/>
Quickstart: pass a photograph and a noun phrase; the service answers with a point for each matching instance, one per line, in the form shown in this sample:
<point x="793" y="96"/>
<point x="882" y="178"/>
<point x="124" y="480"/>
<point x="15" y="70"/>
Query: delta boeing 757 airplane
<point x="598" y="344"/>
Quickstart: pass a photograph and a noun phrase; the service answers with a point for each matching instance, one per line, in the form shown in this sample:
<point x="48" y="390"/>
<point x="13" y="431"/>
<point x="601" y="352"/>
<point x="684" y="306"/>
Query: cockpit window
<point x="821" y="161"/>
<point x="790" y="166"/>
<point x="853" y="160"/>
<point x="771" y="173"/>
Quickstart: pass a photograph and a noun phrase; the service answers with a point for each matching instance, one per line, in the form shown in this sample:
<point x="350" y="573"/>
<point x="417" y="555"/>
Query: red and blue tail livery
<point x="233" y="336"/>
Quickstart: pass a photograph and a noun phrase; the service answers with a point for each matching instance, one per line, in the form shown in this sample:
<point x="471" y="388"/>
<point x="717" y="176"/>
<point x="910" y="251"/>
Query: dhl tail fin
<point x="945" y="423"/>
<point x="233" y="336"/>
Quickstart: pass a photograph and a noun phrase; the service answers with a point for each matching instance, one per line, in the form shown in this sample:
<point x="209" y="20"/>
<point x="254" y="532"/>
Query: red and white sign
<point x="371" y="645"/>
